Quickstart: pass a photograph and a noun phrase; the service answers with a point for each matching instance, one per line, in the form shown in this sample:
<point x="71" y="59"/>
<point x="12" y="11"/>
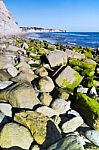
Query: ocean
<point x="84" y="39"/>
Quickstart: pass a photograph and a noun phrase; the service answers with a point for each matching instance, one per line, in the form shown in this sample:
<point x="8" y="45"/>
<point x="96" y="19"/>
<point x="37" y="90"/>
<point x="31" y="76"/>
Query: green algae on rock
<point x="86" y="68"/>
<point x="88" y="108"/>
<point x="42" y="128"/>
<point x="68" y="79"/>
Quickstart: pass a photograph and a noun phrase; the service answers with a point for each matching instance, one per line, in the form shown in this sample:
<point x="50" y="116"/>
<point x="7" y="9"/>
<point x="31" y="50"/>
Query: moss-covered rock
<point x="86" y="68"/>
<point x="88" y="108"/>
<point x="68" y="79"/>
<point x="42" y="128"/>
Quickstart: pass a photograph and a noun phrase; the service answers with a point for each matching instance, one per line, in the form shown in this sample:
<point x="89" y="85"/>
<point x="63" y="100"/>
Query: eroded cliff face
<point x="7" y="24"/>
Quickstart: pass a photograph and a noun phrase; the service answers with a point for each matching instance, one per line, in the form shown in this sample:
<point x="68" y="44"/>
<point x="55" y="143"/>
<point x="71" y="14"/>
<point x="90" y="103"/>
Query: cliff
<point x="7" y="24"/>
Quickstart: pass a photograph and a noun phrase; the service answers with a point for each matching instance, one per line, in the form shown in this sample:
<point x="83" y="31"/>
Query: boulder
<point x="88" y="108"/>
<point x="23" y="77"/>
<point x="60" y="105"/>
<point x="12" y="71"/>
<point x="47" y="111"/>
<point x="93" y="136"/>
<point x="72" y="54"/>
<point x="68" y="79"/>
<point x="43" y="129"/>
<point x="46" y="84"/>
<point x="41" y="72"/>
<point x="46" y="99"/>
<point x="57" y="58"/>
<point x="86" y="67"/>
<point x="70" y="142"/>
<point x="5" y="60"/>
<point x="20" y="95"/>
<point x="72" y="124"/>
<point x="14" y="135"/>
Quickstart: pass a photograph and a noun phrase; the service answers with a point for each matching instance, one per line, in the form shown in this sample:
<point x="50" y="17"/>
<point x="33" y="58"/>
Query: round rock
<point x="46" y="84"/>
<point x="15" y="135"/>
<point x="61" y="106"/>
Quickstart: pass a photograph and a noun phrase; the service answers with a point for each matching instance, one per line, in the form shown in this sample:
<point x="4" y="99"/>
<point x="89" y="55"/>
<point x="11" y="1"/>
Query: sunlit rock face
<point x="7" y="24"/>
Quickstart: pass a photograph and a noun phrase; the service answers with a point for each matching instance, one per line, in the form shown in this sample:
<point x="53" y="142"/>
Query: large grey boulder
<point x="57" y="58"/>
<point x="68" y="79"/>
<point x="20" y="95"/>
<point x="72" y="54"/>
<point x="70" y="142"/>
<point x="15" y="135"/>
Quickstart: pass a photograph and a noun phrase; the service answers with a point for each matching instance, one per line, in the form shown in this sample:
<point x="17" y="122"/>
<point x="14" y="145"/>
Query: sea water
<point x="84" y="39"/>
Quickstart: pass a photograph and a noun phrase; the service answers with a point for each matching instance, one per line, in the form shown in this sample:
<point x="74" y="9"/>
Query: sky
<point x="71" y="15"/>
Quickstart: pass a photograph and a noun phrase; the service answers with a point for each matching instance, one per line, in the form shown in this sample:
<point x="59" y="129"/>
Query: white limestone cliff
<point x="7" y="23"/>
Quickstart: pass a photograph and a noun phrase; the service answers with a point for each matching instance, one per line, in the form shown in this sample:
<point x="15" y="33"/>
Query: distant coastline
<point x="38" y="29"/>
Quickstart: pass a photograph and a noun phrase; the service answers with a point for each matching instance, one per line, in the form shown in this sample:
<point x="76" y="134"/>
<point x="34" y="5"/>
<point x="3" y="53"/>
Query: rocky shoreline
<point x="49" y="96"/>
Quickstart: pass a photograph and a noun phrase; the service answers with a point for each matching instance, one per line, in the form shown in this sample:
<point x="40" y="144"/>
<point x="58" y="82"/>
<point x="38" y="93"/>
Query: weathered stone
<point x="4" y="76"/>
<point x="86" y="68"/>
<point x="6" y="109"/>
<point x="72" y="54"/>
<point x="46" y="84"/>
<point x="41" y="72"/>
<point x="43" y="129"/>
<point x="60" y="105"/>
<point x="24" y="67"/>
<point x="46" y="99"/>
<point x="47" y="111"/>
<point x="68" y="79"/>
<point x="63" y="94"/>
<point x="72" y="124"/>
<point x="15" y="135"/>
<point x="88" y="108"/>
<point x="12" y="71"/>
<point x="57" y="58"/>
<point x="93" y="136"/>
<point x="4" y="84"/>
<point x="5" y="60"/>
<point x="20" y="95"/>
<point x="71" y="142"/>
<point x="23" y="77"/>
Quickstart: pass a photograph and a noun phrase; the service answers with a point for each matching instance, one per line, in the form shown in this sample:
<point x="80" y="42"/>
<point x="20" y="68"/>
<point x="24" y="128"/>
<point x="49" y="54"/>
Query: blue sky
<point x="73" y="15"/>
